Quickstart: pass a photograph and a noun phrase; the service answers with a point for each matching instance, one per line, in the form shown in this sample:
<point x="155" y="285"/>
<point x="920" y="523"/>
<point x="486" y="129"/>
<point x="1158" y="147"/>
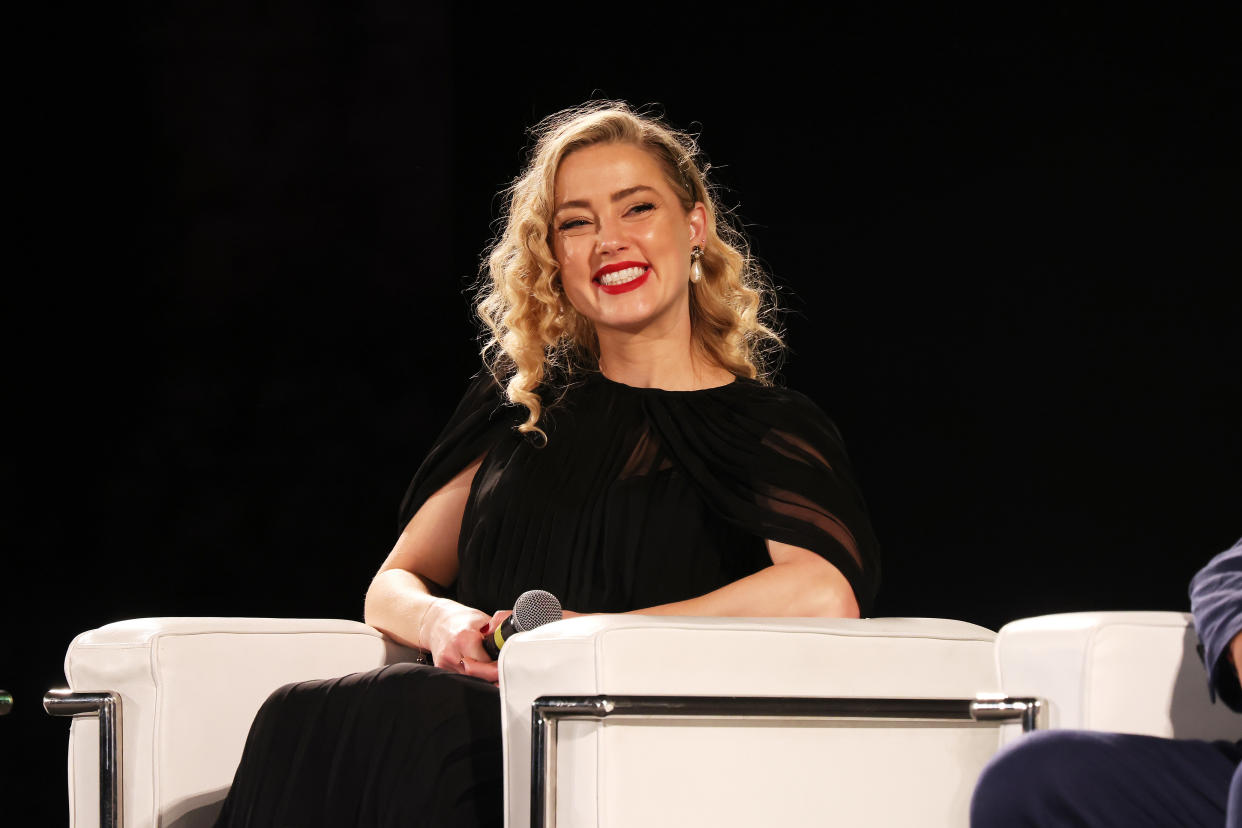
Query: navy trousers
<point x="1057" y="778"/>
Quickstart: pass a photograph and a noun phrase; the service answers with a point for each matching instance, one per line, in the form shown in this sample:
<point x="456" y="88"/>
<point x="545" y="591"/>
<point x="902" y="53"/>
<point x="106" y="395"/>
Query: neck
<point x="669" y="360"/>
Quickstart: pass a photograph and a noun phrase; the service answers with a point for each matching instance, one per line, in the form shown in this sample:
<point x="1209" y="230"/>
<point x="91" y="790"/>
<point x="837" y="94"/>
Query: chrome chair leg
<point x="107" y="708"/>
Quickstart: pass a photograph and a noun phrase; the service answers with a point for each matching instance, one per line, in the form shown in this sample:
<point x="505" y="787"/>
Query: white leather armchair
<point x="180" y="694"/>
<point x="876" y="722"/>
<point x="771" y="770"/>
<point x="1125" y="672"/>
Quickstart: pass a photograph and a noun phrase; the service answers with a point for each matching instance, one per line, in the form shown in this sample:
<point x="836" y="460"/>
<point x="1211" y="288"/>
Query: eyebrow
<point x="617" y="196"/>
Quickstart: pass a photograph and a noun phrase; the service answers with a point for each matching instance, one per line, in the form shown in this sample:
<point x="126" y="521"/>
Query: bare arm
<point x="798" y="584"/>
<point x="402" y="602"/>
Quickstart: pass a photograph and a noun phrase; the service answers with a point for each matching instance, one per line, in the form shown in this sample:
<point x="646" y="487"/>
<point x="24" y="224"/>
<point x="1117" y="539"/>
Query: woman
<point x="635" y="460"/>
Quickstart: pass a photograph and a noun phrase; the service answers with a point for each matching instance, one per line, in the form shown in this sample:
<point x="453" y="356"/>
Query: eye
<point x="573" y="224"/>
<point x="643" y="207"/>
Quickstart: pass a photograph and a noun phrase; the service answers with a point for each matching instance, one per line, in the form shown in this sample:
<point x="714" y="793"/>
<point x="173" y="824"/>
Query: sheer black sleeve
<point x="773" y="464"/>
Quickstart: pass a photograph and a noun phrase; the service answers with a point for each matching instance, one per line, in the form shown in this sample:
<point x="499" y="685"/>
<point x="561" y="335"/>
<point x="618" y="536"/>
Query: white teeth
<point x="620" y="277"/>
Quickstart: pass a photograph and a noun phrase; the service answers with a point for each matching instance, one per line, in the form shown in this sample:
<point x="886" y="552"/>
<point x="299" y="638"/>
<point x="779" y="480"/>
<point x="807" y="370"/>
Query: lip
<point x="615" y="266"/>
<point x="633" y="284"/>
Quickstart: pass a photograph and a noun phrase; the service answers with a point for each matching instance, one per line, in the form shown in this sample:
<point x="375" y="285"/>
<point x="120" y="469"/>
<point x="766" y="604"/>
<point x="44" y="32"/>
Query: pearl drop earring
<point x="696" y="269"/>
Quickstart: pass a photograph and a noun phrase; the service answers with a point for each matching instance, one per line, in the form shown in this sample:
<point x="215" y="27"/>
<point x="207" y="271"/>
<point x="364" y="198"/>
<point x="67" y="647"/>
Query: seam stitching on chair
<point x="1086" y="678"/>
<point x="600" y="793"/>
<point x="818" y="633"/>
<point x="367" y="632"/>
<point x="156" y="722"/>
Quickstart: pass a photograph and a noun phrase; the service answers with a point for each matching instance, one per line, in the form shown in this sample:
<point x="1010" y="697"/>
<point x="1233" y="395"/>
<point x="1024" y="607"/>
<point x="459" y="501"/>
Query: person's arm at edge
<point x="1216" y="603"/>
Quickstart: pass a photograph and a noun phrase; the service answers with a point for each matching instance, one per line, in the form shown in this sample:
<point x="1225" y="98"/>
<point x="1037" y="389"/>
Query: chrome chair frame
<point x="107" y="708"/>
<point x="547" y="711"/>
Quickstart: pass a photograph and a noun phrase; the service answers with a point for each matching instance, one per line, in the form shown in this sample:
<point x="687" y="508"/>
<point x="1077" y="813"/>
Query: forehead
<point x="603" y="169"/>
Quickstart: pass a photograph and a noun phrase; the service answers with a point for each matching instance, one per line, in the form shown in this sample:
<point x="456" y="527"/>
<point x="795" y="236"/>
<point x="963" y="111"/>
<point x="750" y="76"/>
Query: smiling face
<point x="623" y="241"/>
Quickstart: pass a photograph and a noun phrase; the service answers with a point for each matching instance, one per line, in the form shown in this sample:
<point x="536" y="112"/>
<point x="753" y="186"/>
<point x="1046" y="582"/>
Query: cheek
<point x="667" y="238"/>
<point x="568" y="254"/>
<point x="575" y="269"/>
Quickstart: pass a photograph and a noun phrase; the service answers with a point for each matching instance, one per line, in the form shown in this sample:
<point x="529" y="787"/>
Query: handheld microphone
<point x="533" y="608"/>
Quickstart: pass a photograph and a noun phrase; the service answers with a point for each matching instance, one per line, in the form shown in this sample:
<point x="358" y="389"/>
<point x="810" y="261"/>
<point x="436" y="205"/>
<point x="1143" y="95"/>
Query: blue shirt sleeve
<point x="1216" y="602"/>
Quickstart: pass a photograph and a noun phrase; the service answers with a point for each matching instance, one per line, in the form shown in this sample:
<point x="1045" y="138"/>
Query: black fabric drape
<point x="643" y="496"/>
<point x="403" y="745"/>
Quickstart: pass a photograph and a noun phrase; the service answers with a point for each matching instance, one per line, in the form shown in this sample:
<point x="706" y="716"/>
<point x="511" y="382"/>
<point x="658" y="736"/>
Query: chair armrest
<point x="741" y="773"/>
<point x="1127" y="672"/>
<point x="189" y="689"/>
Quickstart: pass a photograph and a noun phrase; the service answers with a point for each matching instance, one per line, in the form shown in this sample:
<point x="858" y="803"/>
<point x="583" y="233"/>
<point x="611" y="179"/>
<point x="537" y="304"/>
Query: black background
<point x="1008" y="249"/>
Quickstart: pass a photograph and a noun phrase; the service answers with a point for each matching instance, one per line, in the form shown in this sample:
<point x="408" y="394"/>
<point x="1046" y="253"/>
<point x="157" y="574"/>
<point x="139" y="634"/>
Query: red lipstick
<point x="624" y="287"/>
<point x="615" y="266"/>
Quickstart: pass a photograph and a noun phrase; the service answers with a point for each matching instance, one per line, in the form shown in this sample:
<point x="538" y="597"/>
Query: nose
<point x="610" y="239"/>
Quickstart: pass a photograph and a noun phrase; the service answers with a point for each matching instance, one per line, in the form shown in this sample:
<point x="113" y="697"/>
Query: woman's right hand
<point x="453" y="633"/>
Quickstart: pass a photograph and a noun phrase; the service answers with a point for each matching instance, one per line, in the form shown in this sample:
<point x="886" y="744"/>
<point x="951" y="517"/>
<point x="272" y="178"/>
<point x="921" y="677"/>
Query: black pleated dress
<point x="640" y="497"/>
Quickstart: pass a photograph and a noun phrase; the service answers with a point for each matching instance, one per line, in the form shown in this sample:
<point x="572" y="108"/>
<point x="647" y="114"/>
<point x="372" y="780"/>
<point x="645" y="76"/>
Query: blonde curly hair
<point x="530" y="328"/>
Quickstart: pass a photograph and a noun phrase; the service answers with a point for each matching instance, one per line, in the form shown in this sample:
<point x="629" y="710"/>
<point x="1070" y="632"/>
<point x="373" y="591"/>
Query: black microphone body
<point x="533" y="608"/>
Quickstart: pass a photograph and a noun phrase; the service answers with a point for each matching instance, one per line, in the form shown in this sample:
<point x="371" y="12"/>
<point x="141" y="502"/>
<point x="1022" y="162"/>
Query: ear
<point x="698" y="224"/>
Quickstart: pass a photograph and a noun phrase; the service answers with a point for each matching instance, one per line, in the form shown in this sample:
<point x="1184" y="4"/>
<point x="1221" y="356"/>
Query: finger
<point x="498" y="618"/>
<point x="449" y="660"/>
<point x="486" y="670"/>
<point x="469" y="643"/>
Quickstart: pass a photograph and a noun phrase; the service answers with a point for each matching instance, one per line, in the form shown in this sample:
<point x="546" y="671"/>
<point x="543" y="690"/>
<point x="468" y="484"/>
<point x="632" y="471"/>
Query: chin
<point x="638" y="319"/>
<point x="630" y="325"/>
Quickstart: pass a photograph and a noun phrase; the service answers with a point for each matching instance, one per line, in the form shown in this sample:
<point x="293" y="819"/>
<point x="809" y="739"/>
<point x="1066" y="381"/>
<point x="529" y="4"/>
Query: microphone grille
<point x="534" y="608"/>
